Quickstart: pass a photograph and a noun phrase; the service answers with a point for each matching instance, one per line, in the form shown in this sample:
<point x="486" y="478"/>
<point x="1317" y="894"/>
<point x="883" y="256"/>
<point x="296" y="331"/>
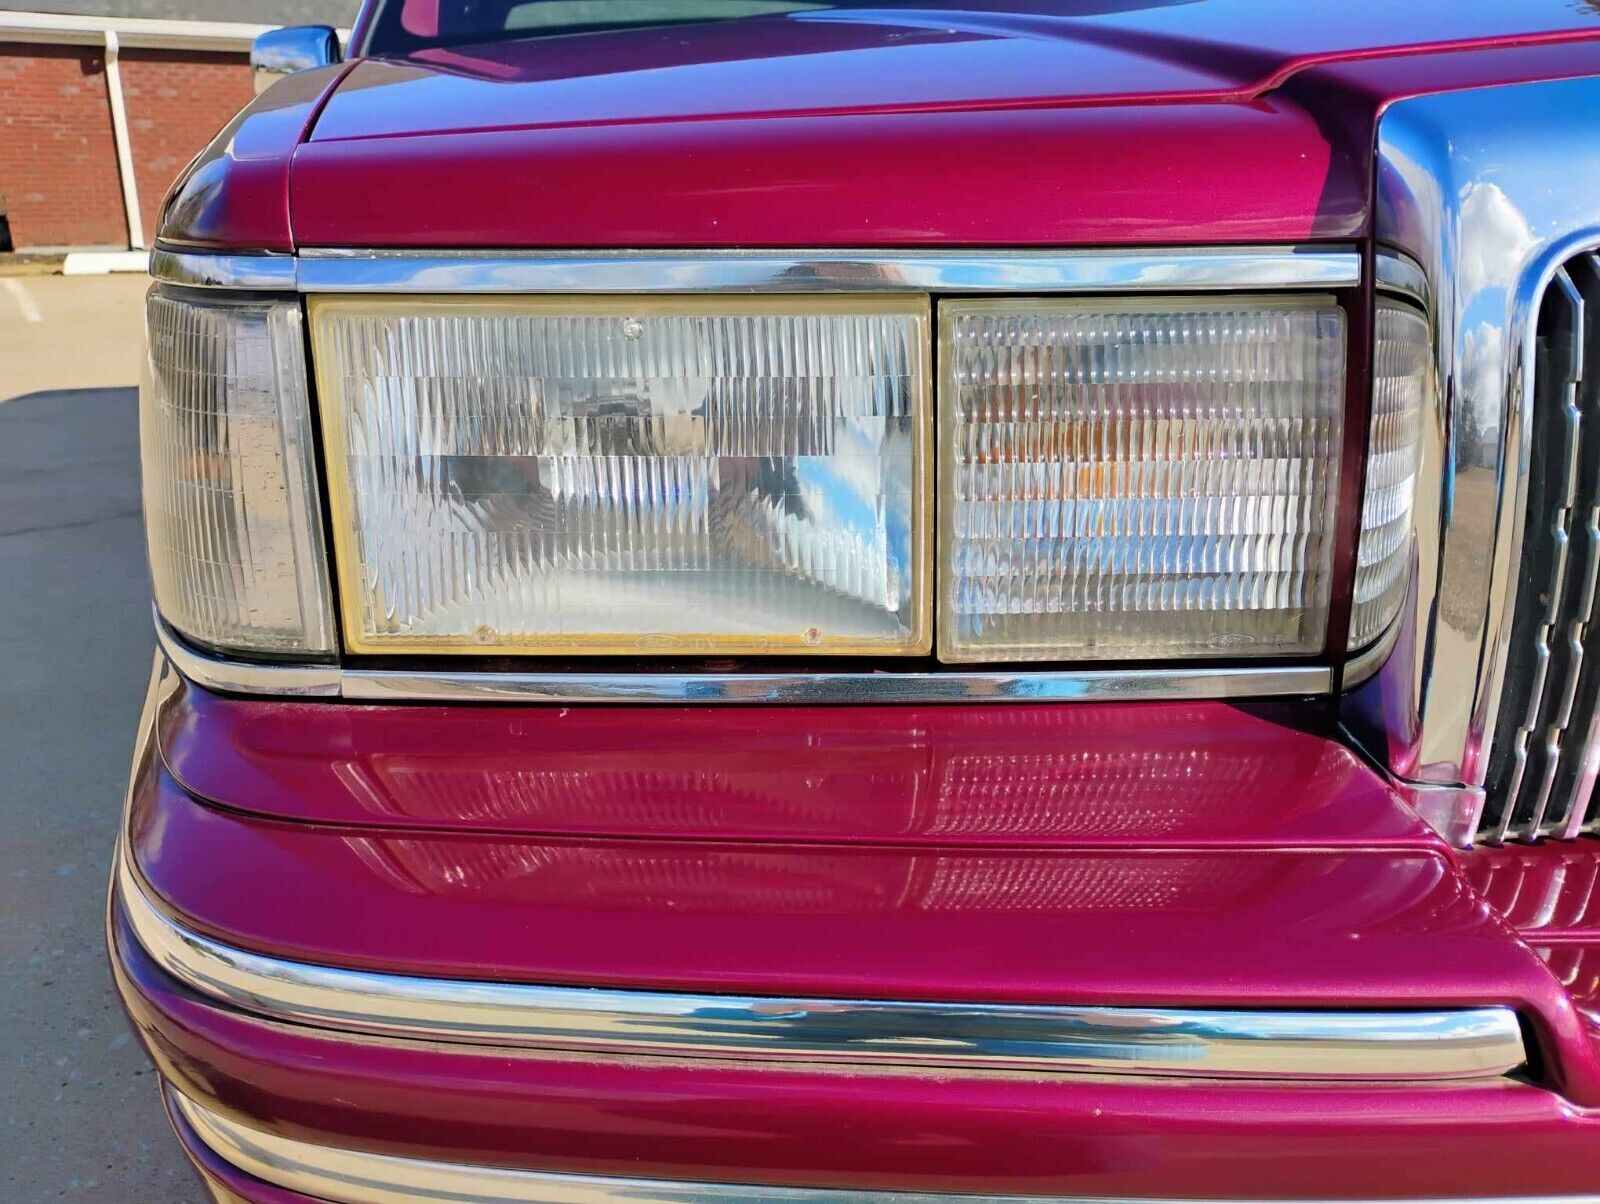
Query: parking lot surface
<point x="82" y="1117"/>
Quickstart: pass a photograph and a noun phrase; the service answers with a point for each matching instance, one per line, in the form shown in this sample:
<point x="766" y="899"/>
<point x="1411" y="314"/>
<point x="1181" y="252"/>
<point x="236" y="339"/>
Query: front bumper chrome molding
<point x="345" y="1176"/>
<point x="883" y="1036"/>
<point x="229" y="676"/>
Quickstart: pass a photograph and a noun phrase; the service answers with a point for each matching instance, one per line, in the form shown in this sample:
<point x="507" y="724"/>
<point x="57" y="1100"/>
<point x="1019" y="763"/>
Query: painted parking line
<point x="23" y="298"/>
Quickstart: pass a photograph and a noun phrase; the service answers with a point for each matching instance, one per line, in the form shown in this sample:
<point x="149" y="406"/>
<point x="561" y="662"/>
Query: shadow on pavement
<point x="82" y="1114"/>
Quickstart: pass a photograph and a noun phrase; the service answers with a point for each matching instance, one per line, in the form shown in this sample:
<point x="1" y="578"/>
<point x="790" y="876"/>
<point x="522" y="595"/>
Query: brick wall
<point x="58" y="161"/>
<point x="176" y="102"/>
<point x="58" y="158"/>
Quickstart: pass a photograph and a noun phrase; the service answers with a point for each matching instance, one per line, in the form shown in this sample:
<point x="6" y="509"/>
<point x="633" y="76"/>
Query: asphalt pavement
<point x="82" y="1115"/>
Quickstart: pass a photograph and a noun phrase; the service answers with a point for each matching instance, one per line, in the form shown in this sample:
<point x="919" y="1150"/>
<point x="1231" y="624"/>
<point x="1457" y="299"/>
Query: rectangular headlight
<point x="555" y="475"/>
<point x="231" y="511"/>
<point x="1139" y="479"/>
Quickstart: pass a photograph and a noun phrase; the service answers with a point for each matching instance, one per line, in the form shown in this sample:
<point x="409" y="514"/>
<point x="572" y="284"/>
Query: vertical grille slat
<point x="1574" y="787"/>
<point x="1555" y="507"/>
<point x="1541" y="780"/>
<point x="1564" y="652"/>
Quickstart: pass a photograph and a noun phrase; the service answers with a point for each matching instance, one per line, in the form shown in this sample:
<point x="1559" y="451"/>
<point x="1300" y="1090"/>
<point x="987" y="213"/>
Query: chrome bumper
<point x="1282" y="1045"/>
<point x="353" y="1177"/>
<point x="345" y="1176"/>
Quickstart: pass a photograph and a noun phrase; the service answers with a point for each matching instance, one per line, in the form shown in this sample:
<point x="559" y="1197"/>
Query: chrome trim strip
<point x="1361" y="1046"/>
<point x="228" y="676"/>
<point x="1477" y="186"/>
<point x="347" y="1176"/>
<point x="712" y="271"/>
<point x="810" y="271"/>
<point x="829" y="688"/>
<point x="1454" y="812"/>
<point x="144" y="739"/>
<point x="1366" y="663"/>
<point x="244" y="677"/>
<point x="203" y="269"/>
<point x="1397" y="273"/>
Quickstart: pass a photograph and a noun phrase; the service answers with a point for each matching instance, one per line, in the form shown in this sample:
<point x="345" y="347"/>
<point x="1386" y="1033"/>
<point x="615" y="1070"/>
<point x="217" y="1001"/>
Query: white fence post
<point x="119" y="132"/>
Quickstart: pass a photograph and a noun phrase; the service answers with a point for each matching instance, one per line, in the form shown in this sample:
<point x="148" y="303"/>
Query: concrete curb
<point x="101" y="263"/>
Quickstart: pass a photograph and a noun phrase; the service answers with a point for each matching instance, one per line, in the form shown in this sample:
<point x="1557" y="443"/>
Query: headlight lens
<point x="567" y="475"/>
<point x="1139" y="479"/>
<point x="1402" y="379"/>
<point x="231" y="513"/>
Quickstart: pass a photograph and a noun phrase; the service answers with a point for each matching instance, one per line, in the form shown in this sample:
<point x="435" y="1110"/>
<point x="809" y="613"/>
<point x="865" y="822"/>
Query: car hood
<point x="944" y="55"/>
<point x="1023" y="122"/>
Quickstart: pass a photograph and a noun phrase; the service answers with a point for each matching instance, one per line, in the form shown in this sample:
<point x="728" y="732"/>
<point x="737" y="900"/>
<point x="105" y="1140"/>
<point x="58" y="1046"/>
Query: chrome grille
<point x="1541" y="780"/>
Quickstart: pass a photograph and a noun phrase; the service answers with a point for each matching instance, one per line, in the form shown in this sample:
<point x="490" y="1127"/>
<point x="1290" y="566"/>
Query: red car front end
<point x="840" y="603"/>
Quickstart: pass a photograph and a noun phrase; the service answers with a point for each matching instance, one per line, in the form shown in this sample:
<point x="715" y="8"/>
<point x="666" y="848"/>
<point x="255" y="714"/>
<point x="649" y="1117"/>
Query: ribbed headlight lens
<point x="1402" y="379"/>
<point x="231" y="513"/>
<point x="1138" y="479"/>
<point x="568" y="475"/>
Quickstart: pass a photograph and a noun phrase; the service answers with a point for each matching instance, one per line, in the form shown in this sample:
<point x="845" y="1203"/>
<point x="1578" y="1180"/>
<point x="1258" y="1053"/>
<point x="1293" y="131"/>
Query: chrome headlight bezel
<point x="1226" y="272"/>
